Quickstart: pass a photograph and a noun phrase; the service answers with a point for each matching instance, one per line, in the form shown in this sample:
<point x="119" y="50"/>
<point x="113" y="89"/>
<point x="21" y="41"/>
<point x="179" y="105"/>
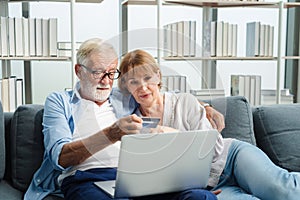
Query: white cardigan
<point x="183" y="112"/>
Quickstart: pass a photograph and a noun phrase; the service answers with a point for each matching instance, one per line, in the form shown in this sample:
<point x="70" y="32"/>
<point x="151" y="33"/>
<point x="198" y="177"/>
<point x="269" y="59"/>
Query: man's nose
<point x="105" y="79"/>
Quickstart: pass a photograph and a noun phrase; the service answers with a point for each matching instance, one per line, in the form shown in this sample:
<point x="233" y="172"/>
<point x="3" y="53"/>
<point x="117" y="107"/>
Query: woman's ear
<point x="158" y="74"/>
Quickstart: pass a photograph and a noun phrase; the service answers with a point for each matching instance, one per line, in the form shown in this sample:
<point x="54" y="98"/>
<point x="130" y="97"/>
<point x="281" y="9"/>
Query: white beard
<point x="102" y="95"/>
<point x="97" y="95"/>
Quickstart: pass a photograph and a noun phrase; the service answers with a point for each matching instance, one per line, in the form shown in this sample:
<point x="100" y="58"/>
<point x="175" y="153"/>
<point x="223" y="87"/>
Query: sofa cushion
<point x="277" y="131"/>
<point x="2" y="143"/>
<point x="238" y="117"/>
<point x="26" y="144"/>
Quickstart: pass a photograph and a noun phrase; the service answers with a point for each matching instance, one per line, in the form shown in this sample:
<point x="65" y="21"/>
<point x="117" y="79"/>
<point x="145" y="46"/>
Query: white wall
<point x="102" y="20"/>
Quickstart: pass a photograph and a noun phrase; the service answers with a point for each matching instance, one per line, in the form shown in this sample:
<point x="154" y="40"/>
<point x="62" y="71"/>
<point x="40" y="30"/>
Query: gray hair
<point x="95" y="45"/>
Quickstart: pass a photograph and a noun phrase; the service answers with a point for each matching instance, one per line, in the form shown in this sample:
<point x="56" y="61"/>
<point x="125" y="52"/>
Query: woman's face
<point x="143" y="85"/>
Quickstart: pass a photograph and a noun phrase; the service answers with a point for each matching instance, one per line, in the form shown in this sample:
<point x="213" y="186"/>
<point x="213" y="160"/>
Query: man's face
<point x="95" y="84"/>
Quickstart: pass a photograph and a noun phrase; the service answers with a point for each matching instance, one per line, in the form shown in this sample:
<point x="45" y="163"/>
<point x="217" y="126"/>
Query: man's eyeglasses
<point x="98" y="74"/>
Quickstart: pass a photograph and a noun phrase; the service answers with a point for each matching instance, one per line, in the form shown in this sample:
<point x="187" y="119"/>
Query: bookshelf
<point x="6" y="60"/>
<point x="208" y="7"/>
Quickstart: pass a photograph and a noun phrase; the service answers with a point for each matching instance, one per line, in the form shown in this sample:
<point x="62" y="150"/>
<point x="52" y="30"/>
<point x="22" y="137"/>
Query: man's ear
<point x="78" y="70"/>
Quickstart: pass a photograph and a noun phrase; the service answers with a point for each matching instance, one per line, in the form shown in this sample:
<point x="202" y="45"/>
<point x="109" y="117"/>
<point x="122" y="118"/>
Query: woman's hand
<point x="215" y="118"/>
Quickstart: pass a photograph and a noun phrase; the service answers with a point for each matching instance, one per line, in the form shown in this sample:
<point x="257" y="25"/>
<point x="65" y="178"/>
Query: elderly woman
<point x="240" y="169"/>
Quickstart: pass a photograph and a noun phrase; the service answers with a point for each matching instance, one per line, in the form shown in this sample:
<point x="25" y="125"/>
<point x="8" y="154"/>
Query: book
<point x="214" y="92"/>
<point x="53" y="36"/>
<point x="164" y="84"/>
<point x="12" y="93"/>
<point x="219" y="38"/>
<point x="237" y="87"/>
<point x="230" y="40"/>
<point x="11" y="36"/>
<point x="176" y="84"/>
<point x="3" y="36"/>
<point x="26" y="36"/>
<point x="192" y="38"/>
<point x="247" y="87"/>
<point x="252" y="39"/>
<point x="67" y="45"/>
<point x="252" y="93"/>
<point x="170" y="86"/>
<point x="262" y="32"/>
<point x="183" y="84"/>
<point x="19" y="92"/>
<point x="266" y="40"/>
<point x="32" y="33"/>
<point x="45" y="37"/>
<point x="19" y="43"/>
<point x="208" y="94"/>
<point x="271" y="41"/>
<point x="257" y="99"/>
<point x="209" y="39"/>
<point x="38" y="37"/>
<point x="5" y="95"/>
<point x="225" y="39"/>
<point x="180" y="38"/>
<point x="234" y="39"/>
<point x="187" y="41"/>
<point x="174" y="39"/>
<point x="167" y="40"/>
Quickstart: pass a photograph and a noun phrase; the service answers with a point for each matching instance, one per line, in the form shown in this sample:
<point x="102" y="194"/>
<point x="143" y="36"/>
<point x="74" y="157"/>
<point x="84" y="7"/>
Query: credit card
<point x="150" y="122"/>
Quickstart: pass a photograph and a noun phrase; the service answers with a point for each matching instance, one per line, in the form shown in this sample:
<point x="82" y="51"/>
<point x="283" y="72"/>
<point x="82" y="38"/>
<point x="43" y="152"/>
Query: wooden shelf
<point x="35" y="58"/>
<point x="219" y="4"/>
<point x="219" y="58"/>
<point x="139" y="2"/>
<point x="77" y="1"/>
<point x="291" y="57"/>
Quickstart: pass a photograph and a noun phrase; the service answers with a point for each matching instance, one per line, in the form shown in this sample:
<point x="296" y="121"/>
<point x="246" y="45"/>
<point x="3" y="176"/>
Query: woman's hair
<point x="95" y="45"/>
<point x="137" y="59"/>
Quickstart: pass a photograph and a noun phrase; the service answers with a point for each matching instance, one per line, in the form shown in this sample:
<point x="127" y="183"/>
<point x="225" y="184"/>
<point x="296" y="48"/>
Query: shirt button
<point x="38" y="180"/>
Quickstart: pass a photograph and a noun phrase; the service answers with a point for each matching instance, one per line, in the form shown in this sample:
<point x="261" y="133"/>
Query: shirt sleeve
<point x="57" y="126"/>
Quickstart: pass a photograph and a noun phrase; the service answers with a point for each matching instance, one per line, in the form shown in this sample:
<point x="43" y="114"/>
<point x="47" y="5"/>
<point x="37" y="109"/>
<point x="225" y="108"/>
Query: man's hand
<point x="216" y="192"/>
<point x="215" y="118"/>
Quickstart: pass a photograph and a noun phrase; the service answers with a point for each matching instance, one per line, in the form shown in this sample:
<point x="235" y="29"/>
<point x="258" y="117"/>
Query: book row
<point x="208" y="94"/>
<point x="259" y="39"/>
<point x="180" y="39"/>
<point x="219" y="39"/>
<point x="11" y="93"/>
<point x="248" y="86"/>
<point x="174" y="83"/>
<point x="64" y="49"/>
<point x="28" y="36"/>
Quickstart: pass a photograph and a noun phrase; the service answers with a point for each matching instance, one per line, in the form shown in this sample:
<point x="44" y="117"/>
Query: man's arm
<point x="215" y="118"/>
<point x="76" y="152"/>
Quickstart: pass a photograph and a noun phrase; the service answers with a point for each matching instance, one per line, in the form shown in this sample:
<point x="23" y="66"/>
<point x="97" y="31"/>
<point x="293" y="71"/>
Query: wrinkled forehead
<point x="102" y="61"/>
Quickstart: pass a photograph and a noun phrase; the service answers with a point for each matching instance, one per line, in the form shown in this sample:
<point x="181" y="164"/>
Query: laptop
<point x="160" y="163"/>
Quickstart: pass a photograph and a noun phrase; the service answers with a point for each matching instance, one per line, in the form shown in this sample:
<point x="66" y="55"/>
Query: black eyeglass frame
<point x="111" y="75"/>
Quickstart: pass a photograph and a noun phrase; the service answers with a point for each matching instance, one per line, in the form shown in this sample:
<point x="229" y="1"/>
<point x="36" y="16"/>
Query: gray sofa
<point x="275" y="129"/>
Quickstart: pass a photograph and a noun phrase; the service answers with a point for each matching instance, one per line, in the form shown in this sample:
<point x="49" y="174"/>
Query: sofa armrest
<point x="26" y="140"/>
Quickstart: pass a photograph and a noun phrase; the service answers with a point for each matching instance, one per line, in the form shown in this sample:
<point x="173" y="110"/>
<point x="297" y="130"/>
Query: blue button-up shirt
<point x="58" y="127"/>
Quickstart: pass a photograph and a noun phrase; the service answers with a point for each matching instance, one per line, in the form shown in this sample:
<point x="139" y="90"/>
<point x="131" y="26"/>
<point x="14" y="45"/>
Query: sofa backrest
<point x="26" y="144"/>
<point x="277" y="132"/>
<point x="2" y="143"/>
<point x="238" y="117"/>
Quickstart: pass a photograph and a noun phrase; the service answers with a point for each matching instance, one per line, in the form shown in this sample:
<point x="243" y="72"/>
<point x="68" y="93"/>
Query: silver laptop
<point x="161" y="163"/>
